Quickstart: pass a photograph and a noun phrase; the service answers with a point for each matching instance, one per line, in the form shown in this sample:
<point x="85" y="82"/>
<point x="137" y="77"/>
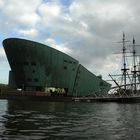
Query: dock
<point x="41" y="96"/>
<point x="123" y="99"/>
<point x="33" y="96"/>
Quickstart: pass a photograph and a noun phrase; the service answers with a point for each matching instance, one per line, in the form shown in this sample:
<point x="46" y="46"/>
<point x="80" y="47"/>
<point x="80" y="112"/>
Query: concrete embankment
<point x="40" y="96"/>
<point x="126" y="99"/>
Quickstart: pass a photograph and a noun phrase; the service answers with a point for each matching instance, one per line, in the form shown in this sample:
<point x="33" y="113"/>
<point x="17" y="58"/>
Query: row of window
<point x="69" y="61"/>
<point x="34" y="63"/>
<point x="26" y="63"/>
<point x="65" y="67"/>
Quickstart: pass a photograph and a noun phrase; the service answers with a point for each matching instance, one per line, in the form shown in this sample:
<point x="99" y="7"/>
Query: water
<point x="24" y="120"/>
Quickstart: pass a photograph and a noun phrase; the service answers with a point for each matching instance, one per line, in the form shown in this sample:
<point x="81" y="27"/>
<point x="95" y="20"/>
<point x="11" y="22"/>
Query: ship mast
<point x="134" y="63"/>
<point x="124" y="69"/>
<point x="135" y="71"/>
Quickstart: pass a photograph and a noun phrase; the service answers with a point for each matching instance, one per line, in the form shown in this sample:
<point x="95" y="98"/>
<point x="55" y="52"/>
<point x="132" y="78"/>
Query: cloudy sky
<point x="85" y="29"/>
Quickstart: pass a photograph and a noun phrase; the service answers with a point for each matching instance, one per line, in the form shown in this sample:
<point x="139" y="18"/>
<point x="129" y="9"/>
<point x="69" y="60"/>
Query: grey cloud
<point x="88" y="28"/>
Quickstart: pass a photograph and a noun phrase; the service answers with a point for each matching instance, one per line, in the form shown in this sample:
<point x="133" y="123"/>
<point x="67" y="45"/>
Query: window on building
<point x="33" y="63"/>
<point x="36" y="80"/>
<point x="65" y="67"/>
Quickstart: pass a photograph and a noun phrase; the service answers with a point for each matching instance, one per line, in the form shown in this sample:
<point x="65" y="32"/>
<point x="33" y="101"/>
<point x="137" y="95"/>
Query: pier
<point x="41" y="96"/>
<point x="123" y="99"/>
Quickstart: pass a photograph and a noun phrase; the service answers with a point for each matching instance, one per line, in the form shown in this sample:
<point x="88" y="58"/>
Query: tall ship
<point x="38" y="67"/>
<point x="127" y="83"/>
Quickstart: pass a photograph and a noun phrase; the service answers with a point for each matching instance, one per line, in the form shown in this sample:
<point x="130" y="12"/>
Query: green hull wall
<point x="35" y="66"/>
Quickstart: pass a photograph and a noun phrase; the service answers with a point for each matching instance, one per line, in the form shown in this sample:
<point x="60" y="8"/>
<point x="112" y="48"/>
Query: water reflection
<point x="3" y="110"/>
<point x="59" y="120"/>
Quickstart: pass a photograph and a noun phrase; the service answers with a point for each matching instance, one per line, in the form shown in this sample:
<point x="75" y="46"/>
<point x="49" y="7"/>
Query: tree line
<point x="3" y="87"/>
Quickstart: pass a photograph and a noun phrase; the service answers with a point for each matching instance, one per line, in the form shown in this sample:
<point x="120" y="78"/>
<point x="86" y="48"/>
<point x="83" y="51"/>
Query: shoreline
<point x="41" y="96"/>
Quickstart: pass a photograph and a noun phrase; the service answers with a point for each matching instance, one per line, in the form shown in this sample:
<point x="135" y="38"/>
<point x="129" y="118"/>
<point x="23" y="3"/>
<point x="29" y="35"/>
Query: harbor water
<point x="32" y="120"/>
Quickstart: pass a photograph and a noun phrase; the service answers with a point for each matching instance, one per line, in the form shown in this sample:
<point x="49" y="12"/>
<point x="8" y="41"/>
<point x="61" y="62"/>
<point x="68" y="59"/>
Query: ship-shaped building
<point x="38" y="67"/>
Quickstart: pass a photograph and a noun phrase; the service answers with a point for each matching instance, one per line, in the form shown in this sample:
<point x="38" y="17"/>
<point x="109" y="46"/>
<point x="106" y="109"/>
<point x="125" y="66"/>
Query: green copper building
<point x="37" y="67"/>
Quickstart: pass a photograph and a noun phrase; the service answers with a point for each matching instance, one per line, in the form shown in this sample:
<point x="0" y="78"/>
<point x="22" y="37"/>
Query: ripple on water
<point x="41" y="120"/>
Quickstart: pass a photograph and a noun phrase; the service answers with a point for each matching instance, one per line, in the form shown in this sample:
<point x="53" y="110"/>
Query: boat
<point x="36" y="67"/>
<point x="127" y="83"/>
